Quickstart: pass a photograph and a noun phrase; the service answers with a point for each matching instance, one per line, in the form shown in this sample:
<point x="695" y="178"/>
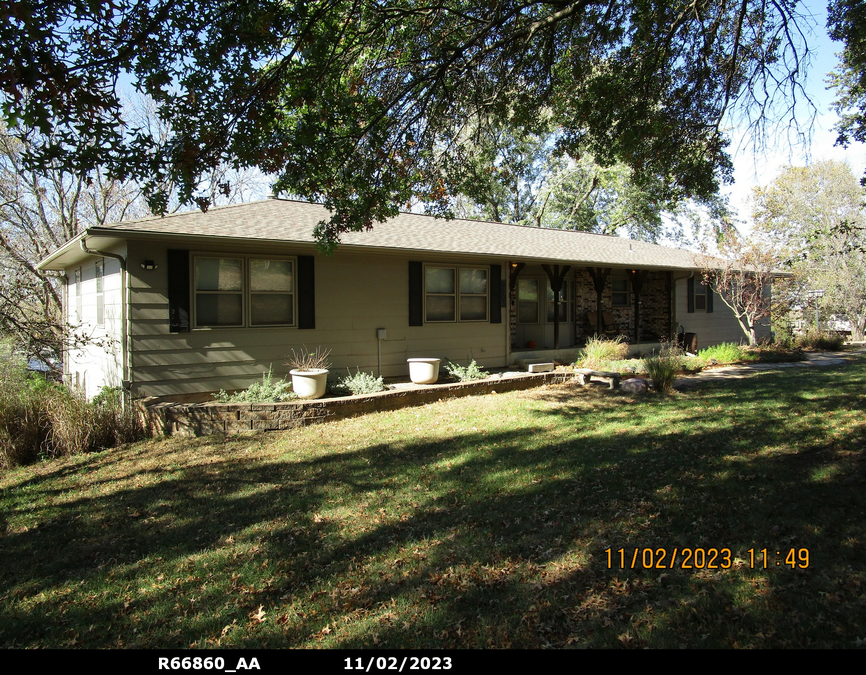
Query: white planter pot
<point x="423" y="371"/>
<point x="309" y="383"/>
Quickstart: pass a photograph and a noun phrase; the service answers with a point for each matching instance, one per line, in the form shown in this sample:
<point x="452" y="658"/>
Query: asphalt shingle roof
<point x="292" y="221"/>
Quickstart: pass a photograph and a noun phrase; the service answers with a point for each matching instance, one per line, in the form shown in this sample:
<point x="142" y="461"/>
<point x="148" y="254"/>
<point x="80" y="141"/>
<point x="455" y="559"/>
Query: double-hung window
<point x="239" y="291"/>
<point x="458" y="293"/>
<point x="272" y="297"/>
<point x="619" y="291"/>
<point x="78" y="294"/>
<point x="700" y="297"/>
<point x="527" y="300"/>
<point x="100" y="293"/>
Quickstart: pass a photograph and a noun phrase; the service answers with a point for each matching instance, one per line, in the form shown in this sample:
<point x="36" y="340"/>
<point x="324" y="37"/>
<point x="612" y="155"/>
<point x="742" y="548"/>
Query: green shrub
<point x="268" y="390"/>
<point x="359" y="383"/>
<point x="662" y="369"/>
<point x="817" y="340"/>
<point x="727" y="352"/>
<point x="465" y="373"/>
<point x="784" y="339"/>
<point x="598" y="352"/>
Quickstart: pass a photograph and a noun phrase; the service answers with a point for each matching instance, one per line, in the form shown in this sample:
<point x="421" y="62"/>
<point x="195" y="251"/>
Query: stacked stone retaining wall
<point x="199" y="419"/>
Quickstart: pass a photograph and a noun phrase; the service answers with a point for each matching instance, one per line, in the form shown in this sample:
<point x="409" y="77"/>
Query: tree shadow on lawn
<point x="485" y="539"/>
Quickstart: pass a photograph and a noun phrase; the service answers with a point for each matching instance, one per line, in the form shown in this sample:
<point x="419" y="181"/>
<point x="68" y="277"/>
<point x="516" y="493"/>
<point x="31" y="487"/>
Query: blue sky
<point x="752" y="168"/>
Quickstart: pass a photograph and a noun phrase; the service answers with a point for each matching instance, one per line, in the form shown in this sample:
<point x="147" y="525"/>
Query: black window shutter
<point x="709" y="299"/>
<point x="691" y="295"/>
<point x="306" y="292"/>
<point x="416" y="293"/>
<point x="497" y="300"/>
<point x="178" y="291"/>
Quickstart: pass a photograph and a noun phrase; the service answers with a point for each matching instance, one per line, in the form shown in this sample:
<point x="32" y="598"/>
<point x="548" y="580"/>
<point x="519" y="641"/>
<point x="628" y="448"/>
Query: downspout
<point x="124" y="312"/>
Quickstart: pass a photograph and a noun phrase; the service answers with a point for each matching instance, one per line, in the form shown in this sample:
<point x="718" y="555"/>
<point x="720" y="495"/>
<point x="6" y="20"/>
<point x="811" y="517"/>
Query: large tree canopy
<point x="518" y="177"/>
<point x="363" y="105"/>
<point x="847" y="23"/>
<point x="814" y="218"/>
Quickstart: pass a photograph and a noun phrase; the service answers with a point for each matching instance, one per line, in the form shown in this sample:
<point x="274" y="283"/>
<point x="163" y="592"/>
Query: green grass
<point x="477" y="522"/>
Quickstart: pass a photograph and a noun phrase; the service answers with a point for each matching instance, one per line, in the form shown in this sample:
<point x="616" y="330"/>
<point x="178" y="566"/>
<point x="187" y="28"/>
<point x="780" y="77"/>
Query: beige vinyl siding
<point x="355" y="295"/>
<point x="714" y="327"/>
<point x="99" y="362"/>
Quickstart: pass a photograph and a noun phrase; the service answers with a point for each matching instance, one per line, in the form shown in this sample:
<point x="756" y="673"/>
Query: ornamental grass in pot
<point x="309" y="372"/>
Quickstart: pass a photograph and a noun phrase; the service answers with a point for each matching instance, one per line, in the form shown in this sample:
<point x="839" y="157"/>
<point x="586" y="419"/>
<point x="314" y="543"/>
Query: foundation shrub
<point x="269" y="390"/>
<point x="359" y="383"/>
<point x="465" y="373"/>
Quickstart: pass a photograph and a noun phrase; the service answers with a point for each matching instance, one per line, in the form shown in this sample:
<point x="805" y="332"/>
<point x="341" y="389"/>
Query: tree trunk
<point x="858" y="328"/>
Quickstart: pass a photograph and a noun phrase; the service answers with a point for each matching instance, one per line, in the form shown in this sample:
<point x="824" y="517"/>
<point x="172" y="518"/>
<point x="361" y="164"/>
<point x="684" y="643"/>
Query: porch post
<point x="637" y="279"/>
<point x="556" y="277"/>
<point x="669" y="291"/>
<point x="599" y="279"/>
<point x="514" y="270"/>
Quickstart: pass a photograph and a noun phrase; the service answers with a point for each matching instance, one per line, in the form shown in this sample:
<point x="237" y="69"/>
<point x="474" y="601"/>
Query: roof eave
<point x="47" y="262"/>
<point x="354" y="247"/>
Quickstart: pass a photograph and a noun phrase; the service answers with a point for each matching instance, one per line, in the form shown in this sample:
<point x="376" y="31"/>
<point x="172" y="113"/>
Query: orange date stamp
<point x="704" y="558"/>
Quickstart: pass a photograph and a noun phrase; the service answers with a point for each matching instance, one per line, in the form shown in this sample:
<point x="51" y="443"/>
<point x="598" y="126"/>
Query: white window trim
<point x="457" y="294"/>
<point x="246" y="290"/>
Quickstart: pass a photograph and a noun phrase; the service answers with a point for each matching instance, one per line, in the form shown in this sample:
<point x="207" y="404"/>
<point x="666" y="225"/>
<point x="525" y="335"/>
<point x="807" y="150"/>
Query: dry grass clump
<point x="663" y="367"/>
<point x="599" y="351"/>
<point x="43" y="419"/>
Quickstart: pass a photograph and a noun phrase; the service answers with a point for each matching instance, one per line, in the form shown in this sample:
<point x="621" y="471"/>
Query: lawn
<point x="506" y="520"/>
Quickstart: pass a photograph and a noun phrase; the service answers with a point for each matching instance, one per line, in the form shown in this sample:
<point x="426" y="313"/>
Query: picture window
<point x="456" y="294"/>
<point x="243" y="291"/>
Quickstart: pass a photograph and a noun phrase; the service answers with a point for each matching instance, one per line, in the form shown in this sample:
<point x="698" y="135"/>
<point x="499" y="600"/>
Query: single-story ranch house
<point x="197" y="302"/>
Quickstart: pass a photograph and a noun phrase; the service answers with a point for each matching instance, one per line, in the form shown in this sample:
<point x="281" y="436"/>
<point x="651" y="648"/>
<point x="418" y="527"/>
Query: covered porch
<point x="555" y="308"/>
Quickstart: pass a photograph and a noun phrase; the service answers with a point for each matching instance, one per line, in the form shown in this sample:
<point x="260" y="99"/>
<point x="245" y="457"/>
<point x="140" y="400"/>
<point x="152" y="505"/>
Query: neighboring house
<point x="197" y="302"/>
